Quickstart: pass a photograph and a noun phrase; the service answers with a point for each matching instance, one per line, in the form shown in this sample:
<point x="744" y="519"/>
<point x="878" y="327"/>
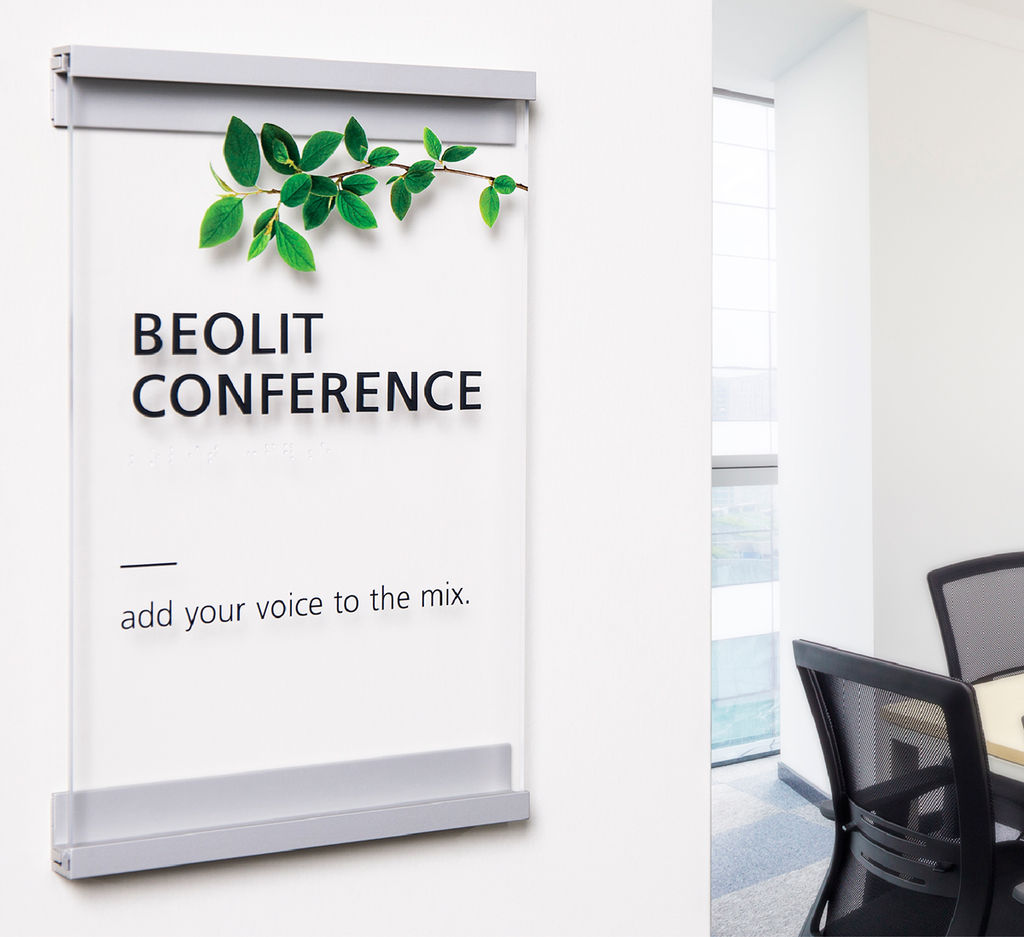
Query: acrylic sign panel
<point x="281" y="587"/>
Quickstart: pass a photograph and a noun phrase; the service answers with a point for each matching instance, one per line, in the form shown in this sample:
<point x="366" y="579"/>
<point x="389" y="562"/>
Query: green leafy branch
<point x="318" y="196"/>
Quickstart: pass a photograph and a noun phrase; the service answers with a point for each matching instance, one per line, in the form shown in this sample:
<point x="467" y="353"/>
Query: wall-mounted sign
<point x="297" y="451"/>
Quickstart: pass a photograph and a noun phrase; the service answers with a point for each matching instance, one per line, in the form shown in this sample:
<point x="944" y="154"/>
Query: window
<point x="744" y="524"/>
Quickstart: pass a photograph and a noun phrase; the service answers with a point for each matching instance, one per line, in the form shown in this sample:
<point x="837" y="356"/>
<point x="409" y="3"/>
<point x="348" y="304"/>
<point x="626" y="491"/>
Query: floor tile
<point x="756" y="767"/>
<point x="813" y="814"/>
<point x="769" y="847"/>
<point x="769" y="788"/>
<point x="771" y="908"/>
<point x="731" y="808"/>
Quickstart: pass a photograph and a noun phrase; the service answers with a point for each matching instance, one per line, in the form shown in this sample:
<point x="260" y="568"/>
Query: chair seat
<point x="895" y="913"/>
<point x="1007" y="914"/>
<point x="898" y="911"/>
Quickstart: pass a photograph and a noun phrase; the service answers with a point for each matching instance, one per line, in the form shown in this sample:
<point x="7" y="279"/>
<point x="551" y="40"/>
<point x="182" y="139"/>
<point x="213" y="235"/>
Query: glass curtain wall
<point x="744" y="523"/>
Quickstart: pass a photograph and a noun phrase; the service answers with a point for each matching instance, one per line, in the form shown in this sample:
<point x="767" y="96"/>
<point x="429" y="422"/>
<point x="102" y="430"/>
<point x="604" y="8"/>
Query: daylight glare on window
<point x="743" y="291"/>
<point x="744" y="524"/>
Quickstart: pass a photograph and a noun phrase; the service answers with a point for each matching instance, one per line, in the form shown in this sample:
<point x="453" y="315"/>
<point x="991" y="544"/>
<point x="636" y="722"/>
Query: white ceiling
<point x="1013" y="8"/>
<point x="755" y="41"/>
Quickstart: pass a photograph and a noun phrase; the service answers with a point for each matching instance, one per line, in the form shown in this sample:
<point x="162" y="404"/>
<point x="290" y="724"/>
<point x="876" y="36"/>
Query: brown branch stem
<point x="442" y="168"/>
<point x="338" y="176"/>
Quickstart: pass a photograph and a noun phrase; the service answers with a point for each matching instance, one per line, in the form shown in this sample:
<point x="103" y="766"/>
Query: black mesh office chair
<point x="914" y="849"/>
<point x="980" y="607"/>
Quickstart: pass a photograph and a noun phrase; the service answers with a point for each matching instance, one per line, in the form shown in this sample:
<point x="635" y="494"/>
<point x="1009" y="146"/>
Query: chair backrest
<point x="980" y="607"/>
<point x="909" y="777"/>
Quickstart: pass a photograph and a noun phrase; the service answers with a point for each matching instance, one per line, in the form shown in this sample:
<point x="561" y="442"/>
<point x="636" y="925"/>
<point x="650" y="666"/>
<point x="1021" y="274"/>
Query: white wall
<point x="900" y="197"/>
<point x="821" y="134"/>
<point x="618" y="485"/>
<point x="947" y="199"/>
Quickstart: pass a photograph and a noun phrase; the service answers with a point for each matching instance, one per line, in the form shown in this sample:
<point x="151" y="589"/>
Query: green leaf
<point x="263" y="221"/>
<point x="418" y="181"/>
<point x="392" y="179"/>
<point x="455" y="154"/>
<point x="315" y="211"/>
<point x="422" y="165"/>
<point x="382" y="156"/>
<point x="504" y="185"/>
<point x="295" y="190"/>
<point x="294" y="248"/>
<point x="220" y="181"/>
<point x="355" y="211"/>
<point x="242" y="152"/>
<point x="221" y="222"/>
<point x="324" y="187"/>
<point x="355" y="139"/>
<point x="278" y="148"/>
<point x="361" y="184"/>
<point x="401" y="199"/>
<point x="318" y="149"/>
<point x="431" y="143"/>
<point x="489" y="205"/>
<point x="259" y="243"/>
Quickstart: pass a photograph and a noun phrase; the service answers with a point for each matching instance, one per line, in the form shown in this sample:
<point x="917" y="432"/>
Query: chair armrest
<point x="880" y="798"/>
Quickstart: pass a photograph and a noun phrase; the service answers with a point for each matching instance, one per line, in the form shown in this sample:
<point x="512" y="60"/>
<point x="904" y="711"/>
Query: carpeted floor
<point x="769" y="852"/>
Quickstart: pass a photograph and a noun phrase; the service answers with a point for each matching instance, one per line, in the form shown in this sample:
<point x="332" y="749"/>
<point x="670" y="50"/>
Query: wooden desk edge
<point x="1005" y="752"/>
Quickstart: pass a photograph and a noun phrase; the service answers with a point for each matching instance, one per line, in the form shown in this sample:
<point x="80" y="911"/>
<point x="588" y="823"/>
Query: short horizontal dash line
<point x="140" y="565"/>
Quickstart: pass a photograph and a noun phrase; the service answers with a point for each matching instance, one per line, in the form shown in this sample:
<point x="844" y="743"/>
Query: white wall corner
<point x="825" y="392"/>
